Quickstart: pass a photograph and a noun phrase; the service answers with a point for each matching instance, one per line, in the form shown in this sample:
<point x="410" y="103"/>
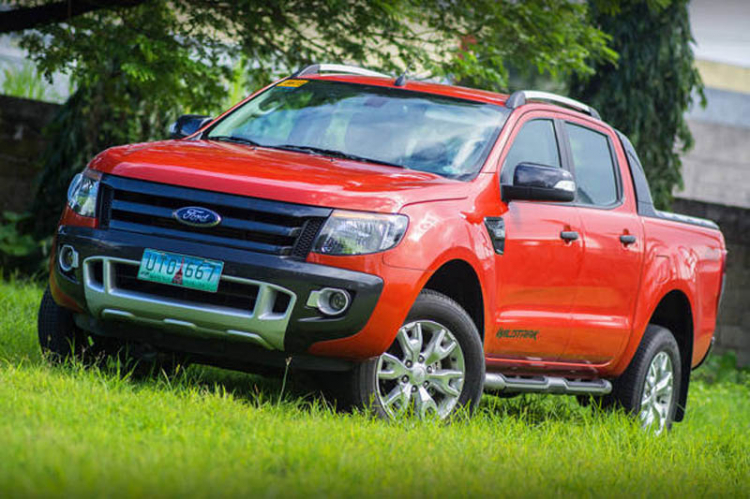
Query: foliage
<point x="14" y="245"/>
<point x="75" y="432"/>
<point x="723" y="369"/>
<point x="552" y="38"/>
<point x="137" y="68"/>
<point x="647" y="93"/>
<point x="26" y="82"/>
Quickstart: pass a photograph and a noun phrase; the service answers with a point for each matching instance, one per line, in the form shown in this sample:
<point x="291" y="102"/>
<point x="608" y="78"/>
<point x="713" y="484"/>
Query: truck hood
<point x="278" y="175"/>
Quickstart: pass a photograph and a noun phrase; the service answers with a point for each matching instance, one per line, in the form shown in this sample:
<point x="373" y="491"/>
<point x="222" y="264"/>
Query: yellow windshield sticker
<point x="292" y="83"/>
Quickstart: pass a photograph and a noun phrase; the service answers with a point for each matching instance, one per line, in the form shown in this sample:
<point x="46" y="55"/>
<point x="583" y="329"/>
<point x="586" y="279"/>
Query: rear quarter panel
<point x="683" y="257"/>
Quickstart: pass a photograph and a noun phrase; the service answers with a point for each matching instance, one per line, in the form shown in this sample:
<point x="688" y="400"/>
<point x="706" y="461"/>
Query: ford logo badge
<point x="196" y="216"/>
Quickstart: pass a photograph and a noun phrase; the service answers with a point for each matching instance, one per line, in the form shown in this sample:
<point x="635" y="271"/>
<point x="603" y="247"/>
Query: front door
<point x="538" y="270"/>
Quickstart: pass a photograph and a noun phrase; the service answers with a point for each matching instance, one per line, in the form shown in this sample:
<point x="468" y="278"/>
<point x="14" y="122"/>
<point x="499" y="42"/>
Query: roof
<point x="418" y="86"/>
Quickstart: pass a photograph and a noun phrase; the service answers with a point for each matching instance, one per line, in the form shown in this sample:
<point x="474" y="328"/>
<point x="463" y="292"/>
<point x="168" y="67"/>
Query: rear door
<point x="610" y="275"/>
<point x="537" y="272"/>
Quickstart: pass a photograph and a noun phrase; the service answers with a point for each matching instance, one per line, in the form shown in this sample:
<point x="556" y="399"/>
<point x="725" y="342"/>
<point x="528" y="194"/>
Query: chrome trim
<point x="566" y="185"/>
<point x="61" y="258"/>
<point x="261" y="325"/>
<point x="521" y="97"/>
<point x="546" y="384"/>
<point x="318" y="299"/>
<point x="176" y="214"/>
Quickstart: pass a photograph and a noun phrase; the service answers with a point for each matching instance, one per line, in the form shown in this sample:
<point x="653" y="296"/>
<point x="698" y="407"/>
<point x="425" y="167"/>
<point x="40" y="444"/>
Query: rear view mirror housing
<point x="187" y="125"/>
<point x="532" y="182"/>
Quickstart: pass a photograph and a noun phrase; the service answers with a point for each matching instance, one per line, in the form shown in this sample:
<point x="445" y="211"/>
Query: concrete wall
<point x="717" y="169"/>
<point x="21" y="145"/>
<point x="716" y="174"/>
<point x="733" y="328"/>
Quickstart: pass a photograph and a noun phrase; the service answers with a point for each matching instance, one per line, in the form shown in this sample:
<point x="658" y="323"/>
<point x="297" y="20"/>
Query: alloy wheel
<point x="658" y="392"/>
<point x="424" y="368"/>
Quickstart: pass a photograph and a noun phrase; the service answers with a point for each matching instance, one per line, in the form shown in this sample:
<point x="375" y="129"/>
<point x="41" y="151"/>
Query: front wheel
<point x="650" y="385"/>
<point x="59" y="338"/>
<point x="435" y="365"/>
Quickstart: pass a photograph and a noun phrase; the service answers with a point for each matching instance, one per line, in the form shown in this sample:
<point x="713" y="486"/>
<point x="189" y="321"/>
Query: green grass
<point x="70" y="431"/>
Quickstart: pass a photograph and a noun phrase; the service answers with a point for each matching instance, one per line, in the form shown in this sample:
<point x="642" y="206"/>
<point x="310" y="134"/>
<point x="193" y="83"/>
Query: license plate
<point x="180" y="270"/>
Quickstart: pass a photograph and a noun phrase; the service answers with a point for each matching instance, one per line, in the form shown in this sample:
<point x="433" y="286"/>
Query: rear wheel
<point x="650" y="385"/>
<point x="435" y="365"/>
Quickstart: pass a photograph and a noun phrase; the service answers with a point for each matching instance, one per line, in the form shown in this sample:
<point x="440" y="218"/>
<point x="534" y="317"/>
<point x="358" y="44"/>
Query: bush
<point x="19" y="250"/>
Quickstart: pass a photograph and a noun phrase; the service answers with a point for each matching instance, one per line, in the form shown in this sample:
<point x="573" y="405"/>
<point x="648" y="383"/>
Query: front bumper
<point x="291" y="327"/>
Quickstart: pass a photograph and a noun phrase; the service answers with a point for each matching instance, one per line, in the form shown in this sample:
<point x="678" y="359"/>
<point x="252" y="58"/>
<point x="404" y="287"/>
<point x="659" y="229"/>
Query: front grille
<point x="264" y="226"/>
<point x="230" y="294"/>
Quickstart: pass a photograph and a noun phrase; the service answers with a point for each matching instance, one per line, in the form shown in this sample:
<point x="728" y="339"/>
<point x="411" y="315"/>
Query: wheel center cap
<point x="418" y="374"/>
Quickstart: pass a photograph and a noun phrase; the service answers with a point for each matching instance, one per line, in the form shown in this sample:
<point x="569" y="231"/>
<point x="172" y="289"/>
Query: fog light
<point x="67" y="258"/>
<point x="330" y="301"/>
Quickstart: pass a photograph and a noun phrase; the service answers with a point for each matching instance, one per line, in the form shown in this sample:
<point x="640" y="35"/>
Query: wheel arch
<point x="458" y="280"/>
<point x="674" y="312"/>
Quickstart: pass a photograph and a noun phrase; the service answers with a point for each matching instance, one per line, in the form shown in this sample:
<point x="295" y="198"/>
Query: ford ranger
<point x="423" y="242"/>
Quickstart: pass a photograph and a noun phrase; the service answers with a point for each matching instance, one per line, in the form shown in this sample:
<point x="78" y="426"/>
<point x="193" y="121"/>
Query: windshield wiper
<point x="334" y="154"/>
<point x="232" y="138"/>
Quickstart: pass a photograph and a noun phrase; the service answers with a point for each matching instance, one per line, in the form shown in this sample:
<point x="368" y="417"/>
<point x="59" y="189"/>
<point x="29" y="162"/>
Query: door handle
<point x="568" y="235"/>
<point x="627" y="239"/>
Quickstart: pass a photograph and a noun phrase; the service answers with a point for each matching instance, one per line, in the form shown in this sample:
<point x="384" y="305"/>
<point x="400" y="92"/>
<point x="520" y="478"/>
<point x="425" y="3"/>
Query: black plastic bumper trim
<point x="217" y="352"/>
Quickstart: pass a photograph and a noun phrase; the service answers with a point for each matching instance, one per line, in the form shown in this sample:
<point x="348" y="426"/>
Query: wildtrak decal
<point x="517" y="334"/>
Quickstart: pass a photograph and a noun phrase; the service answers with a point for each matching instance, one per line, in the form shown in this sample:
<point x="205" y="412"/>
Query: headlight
<point x="82" y="193"/>
<point x="355" y="233"/>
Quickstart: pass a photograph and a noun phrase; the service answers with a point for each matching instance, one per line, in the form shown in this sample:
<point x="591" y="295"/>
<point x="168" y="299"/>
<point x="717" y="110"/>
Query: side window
<point x="535" y="143"/>
<point x="594" y="169"/>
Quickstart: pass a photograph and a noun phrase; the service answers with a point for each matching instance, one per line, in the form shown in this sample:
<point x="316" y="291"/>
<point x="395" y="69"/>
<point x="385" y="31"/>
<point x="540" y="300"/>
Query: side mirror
<point x="533" y="182"/>
<point x="187" y="125"/>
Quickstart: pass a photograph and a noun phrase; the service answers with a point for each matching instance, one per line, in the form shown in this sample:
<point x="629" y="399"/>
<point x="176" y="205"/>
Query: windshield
<point x="420" y="131"/>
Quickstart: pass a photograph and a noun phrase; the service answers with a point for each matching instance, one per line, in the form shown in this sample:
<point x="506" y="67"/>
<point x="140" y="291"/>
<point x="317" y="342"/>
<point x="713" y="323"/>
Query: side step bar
<point x="545" y="384"/>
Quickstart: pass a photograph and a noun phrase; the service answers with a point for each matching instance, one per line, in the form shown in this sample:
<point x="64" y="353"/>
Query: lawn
<point x="70" y="431"/>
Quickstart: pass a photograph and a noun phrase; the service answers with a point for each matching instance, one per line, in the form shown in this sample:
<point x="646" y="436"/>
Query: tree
<point x="22" y="17"/>
<point x="654" y="82"/>
<point x="137" y="65"/>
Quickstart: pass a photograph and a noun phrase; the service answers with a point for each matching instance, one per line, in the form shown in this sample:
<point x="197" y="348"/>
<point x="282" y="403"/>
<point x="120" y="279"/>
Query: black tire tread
<point x="58" y="336"/>
<point x="627" y="389"/>
<point x="432" y="302"/>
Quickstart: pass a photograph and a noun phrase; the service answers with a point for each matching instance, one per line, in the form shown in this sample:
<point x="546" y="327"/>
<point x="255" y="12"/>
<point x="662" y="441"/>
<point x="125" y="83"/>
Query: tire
<point x="59" y="337"/>
<point x="60" y="340"/>
<point x="435" y="364"/>
<point x="643" y="390"/>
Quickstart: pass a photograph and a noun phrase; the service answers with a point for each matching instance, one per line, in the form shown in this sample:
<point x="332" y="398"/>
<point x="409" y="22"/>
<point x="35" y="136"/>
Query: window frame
<point x="506" y="174"/>
<point x="481" y="165"/>
<point x="562" y="130"/>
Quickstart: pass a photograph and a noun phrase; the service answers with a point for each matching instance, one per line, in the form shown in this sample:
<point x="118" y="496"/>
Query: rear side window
<point x="535" y="143"/>
<point x="594" y="168"/>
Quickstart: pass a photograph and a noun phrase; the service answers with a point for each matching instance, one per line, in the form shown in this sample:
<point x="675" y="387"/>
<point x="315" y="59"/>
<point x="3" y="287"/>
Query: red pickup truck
<point x="425" y="242"/>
